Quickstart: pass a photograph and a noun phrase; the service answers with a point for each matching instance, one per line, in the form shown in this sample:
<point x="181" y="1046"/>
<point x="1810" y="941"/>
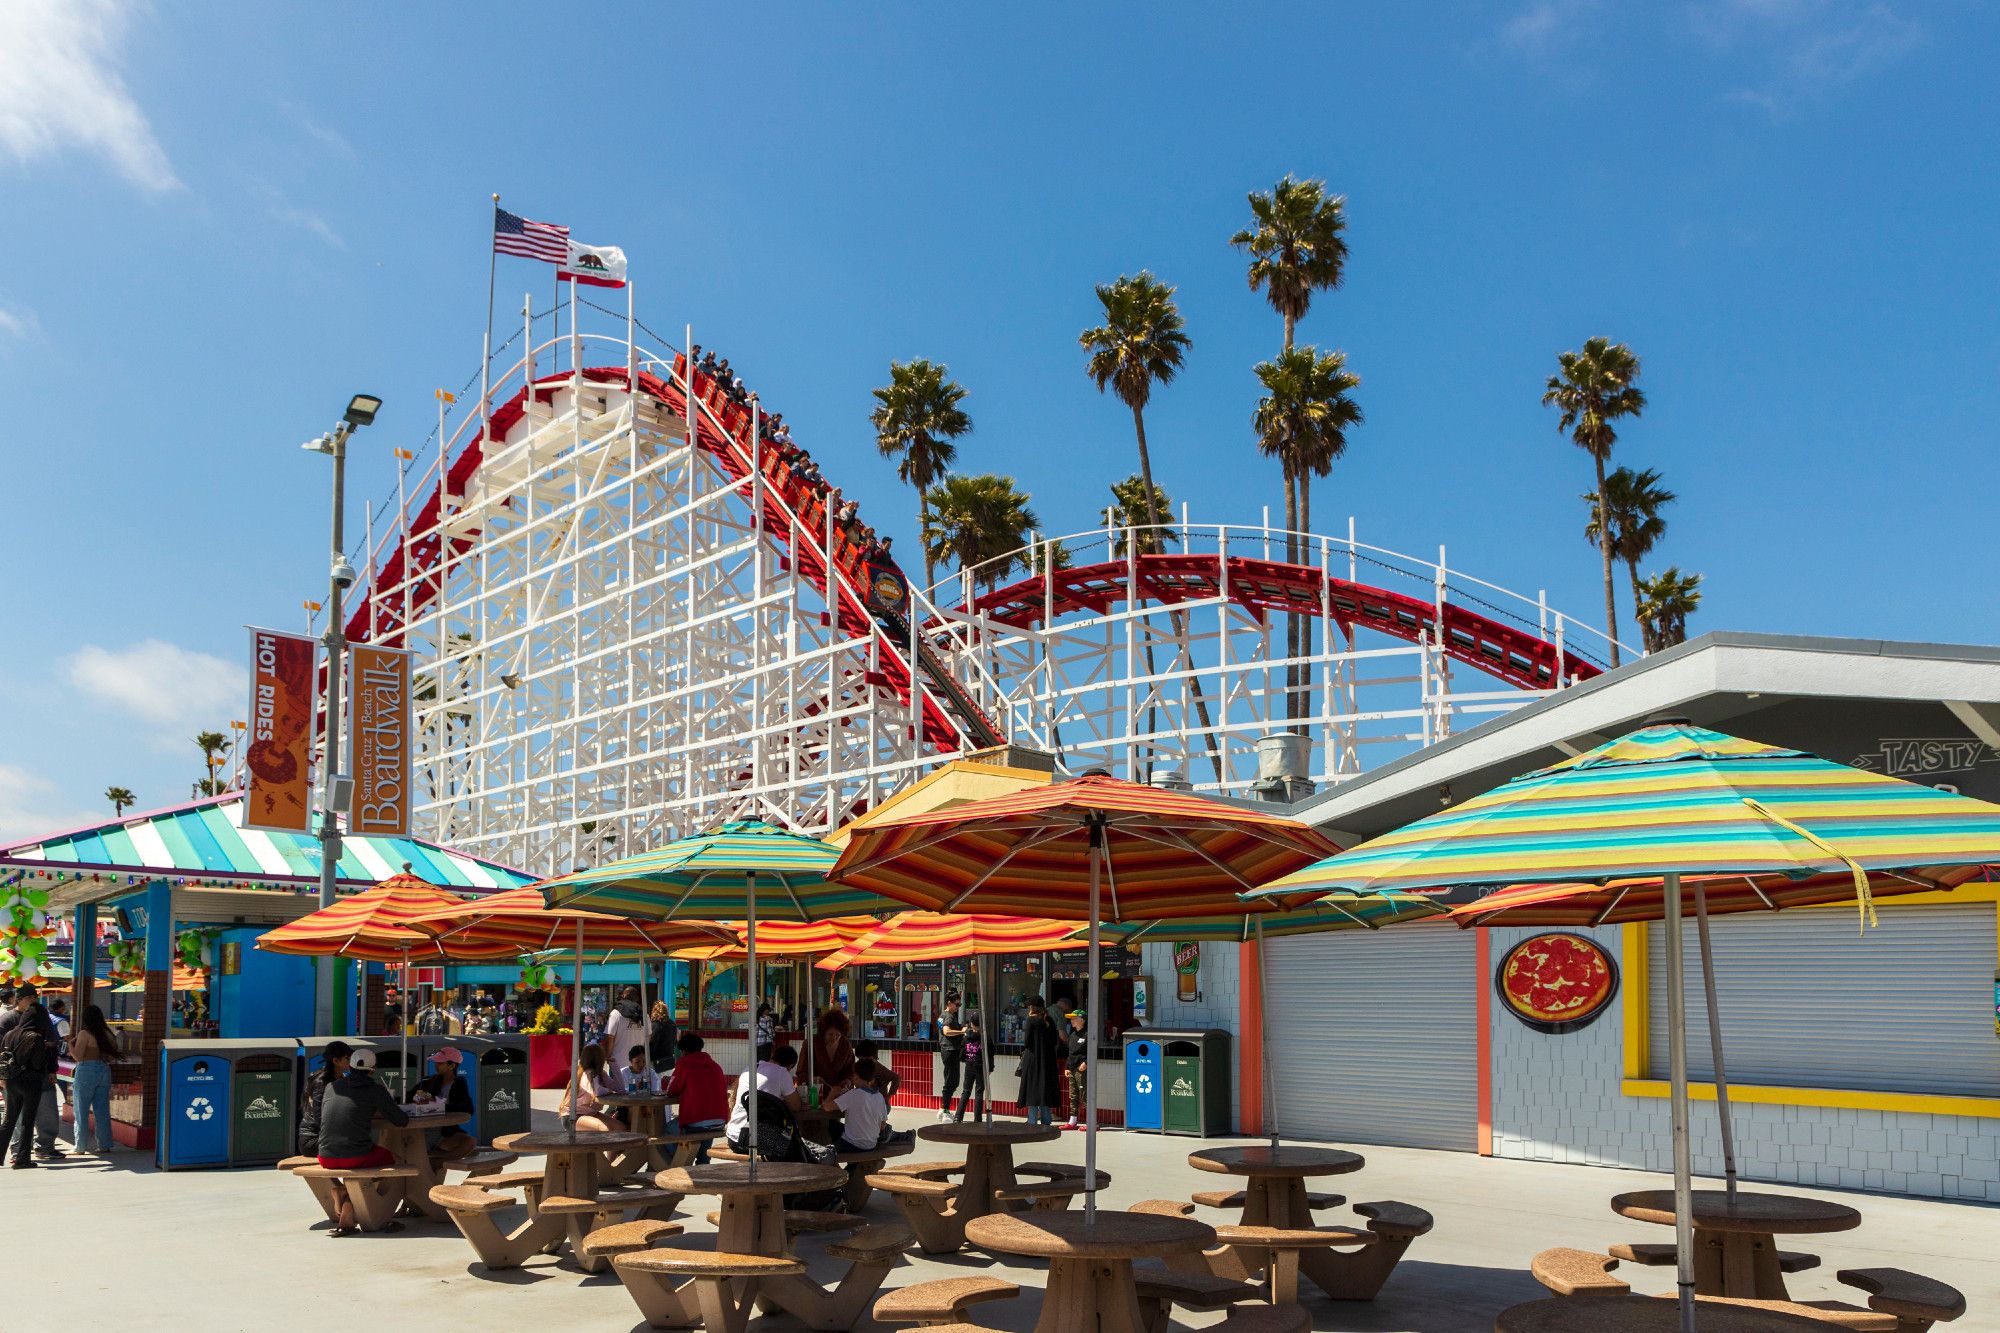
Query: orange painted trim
<point x="1250" y="1044"/>
<point x="1482" y="1014"/>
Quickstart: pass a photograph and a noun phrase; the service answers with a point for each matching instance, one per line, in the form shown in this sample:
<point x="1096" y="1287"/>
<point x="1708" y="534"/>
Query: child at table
<point x="864" y="1112"/>
<point x="639" y="1076"/>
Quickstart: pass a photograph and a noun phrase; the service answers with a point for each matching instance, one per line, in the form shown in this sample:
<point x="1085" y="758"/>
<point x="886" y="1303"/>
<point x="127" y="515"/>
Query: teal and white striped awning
<point x="203" y="844"/>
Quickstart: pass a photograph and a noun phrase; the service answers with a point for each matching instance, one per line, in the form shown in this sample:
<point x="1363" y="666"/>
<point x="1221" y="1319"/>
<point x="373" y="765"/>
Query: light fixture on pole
<point x="336" y="787"/>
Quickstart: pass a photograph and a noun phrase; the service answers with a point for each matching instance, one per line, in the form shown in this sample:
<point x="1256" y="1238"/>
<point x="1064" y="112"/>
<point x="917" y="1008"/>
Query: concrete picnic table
<point x="406" y="1144"/>
<point x="647" y="1113"/>
<point x="564" y="1206"/>
<point x="989" y="1158"/>
<point x="753" y="1223"/>
<point x="1643" y="1314"/>
<point x="1090" y="1263"/>
<point x="1735" y="1241"/>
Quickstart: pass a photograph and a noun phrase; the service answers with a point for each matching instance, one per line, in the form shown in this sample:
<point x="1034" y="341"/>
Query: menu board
<point x="1116" y="962"/>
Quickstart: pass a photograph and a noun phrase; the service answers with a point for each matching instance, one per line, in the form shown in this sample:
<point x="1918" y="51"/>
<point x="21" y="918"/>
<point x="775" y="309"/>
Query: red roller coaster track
<point x="795" y="519"/>
<point x="1516" y="656"/>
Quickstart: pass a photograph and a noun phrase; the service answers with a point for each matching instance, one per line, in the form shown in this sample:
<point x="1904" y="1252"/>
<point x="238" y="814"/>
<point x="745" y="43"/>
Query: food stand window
<point x="724" y="1007"/>
<point x="1018" y="978"/>
<point x="880" y="988"/>
<point x="1069" y="987"/>
<point x="923" y="998"/>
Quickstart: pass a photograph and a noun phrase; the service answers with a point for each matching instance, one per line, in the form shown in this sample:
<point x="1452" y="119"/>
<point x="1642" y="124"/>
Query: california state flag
<point x="596" y="265"/>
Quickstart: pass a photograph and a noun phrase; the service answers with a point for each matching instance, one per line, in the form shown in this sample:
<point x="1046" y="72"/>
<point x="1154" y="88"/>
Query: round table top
<point x="439" y="1120"/>
<point x="1755" y="1213"/>
<point x="1643" y="1314"/>
<point x="1264" y="1160"/>
<point x="636" y="1099"/>
<point x="557" y="1142"/>
<point x="1067" y="1235"/>
<point x="727" y="1178"/>
<point x="989" y="1132"/>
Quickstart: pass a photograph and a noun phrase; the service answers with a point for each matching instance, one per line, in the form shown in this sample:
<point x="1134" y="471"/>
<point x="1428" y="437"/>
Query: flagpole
<point x="486" y="360"/>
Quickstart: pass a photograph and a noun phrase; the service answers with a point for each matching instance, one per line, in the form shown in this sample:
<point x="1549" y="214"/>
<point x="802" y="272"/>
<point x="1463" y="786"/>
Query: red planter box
<point x="548" y="1059"/>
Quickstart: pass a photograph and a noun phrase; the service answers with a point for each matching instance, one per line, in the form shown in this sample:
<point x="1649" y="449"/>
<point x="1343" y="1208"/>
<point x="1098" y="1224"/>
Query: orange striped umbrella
<point x="1165" y="854"/>
<point x="374" y="926"/>
<point x="918" y="937"/>
<point x="790" y="937"/>
<point x="521" y="921"/>
<point x="1063" y="850"/>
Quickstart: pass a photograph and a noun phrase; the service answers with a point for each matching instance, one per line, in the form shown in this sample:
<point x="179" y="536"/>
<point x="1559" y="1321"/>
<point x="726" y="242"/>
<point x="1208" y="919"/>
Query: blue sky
<point x="221" y="220"/>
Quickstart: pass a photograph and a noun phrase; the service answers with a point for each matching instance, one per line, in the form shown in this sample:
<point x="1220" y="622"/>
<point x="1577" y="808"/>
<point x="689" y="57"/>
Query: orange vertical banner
<point x="278" y="791"/>
<point x="379" y="680"/>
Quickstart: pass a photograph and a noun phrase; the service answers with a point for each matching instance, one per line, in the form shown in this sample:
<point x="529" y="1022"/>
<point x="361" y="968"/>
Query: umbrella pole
<point x="1715" y="1042"/>
<point x="575" y="1031"/>
<point x="1097" y="853"/>
<point x="1677" y="1081"/>
<point x="1263" y="1046"/>
<point x="750" y="979"/>
<point x="403" y="1060"/>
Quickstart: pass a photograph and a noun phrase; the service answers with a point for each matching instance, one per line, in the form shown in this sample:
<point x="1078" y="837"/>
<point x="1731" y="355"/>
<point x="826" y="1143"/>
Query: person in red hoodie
<point x="700" y="1089"/>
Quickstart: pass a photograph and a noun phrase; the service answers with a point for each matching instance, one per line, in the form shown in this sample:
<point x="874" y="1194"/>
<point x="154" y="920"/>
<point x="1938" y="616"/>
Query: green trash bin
<point x="260" y="1108"/>
<point x="1194" y="1077"/>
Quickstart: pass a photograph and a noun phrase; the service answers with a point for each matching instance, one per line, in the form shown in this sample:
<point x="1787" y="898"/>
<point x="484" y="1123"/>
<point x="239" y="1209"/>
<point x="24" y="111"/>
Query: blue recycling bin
<point x="1144" y="1102"/>
<point x="194" y="1109"/>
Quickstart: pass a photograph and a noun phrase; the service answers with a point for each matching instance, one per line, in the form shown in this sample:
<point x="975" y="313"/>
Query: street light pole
<point x="335" y="787"/>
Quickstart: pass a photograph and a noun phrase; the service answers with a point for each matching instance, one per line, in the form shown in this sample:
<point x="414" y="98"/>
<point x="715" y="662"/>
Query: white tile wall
<point x="1220" y="1005"/>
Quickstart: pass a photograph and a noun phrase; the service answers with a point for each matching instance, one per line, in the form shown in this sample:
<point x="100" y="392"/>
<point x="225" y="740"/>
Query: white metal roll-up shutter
<point x="1807" y="1001"/>
<point x="1374" y="1035"/>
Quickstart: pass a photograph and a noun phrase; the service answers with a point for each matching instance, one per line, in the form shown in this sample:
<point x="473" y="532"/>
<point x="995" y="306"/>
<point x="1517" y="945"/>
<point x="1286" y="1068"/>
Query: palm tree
<point x="1141" y="343"/>
<point x="916" y="418"/>
<point x="211" y="744"/>
<point x="1129" y="515"/>
<point x="1594" y="388"/>
<point x="1046" y="555"/>
<point x="1634" y="500"/>
<point x="1296" y="248"/>
<point x="981" y="521"/>
<point x="1666" y="600"/>
<point x="120" y="797"/>
<point x="1302" y="420"/>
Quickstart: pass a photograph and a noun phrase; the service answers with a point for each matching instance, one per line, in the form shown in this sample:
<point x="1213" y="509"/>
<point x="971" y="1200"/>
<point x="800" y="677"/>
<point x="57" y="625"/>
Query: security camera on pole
<point x="336" y="788"/>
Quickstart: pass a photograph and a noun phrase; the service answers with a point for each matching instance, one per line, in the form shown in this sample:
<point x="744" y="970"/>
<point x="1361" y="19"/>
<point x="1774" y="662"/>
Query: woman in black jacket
<point x="1041" y="1065"/>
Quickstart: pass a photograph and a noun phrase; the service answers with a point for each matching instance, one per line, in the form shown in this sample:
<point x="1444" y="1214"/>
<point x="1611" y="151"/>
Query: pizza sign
<point x="1557" y="982"/>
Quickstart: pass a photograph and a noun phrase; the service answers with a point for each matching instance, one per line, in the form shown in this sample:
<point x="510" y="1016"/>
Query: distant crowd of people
<point x="33" y="1039"/>
<point x="797" y="465"/>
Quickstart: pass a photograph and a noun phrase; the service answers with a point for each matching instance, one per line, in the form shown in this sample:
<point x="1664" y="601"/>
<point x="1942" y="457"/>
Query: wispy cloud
<point x="1803" y="50"/>
<point x="1543" y="26"/>
<point x="310" y="221"/>
<point x="18" y="322"/>
<point x="60" y="88"/>
<point x="173" y="691"/>
<point x="313" y="128"/>
<point x="31" y="805"/>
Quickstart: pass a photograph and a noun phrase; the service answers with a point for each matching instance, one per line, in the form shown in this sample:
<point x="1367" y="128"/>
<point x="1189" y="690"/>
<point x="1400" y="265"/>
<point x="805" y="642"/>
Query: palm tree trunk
<point x="924" y="537"/>
<point x="1155" y="519"/>
<point x="1604" y="547"/>
<point x="1645" y="633"/>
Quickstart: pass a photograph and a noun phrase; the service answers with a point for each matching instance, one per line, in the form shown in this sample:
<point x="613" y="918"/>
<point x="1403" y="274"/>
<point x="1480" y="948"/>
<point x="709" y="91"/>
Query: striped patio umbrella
<point x="1058" y="851"/>
<point x="919" y="937"/>
<point x="182" y="979"/>
<point x="1613" y="833"/>
<point x="788" y="937"/>
<point x="746" y="868"/>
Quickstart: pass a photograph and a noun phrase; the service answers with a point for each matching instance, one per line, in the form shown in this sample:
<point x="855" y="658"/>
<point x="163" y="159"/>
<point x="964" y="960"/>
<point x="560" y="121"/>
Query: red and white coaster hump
<point x="621" y="636"/>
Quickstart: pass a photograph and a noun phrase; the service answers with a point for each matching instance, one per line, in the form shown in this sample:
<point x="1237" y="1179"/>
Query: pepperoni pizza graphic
<point x="1557" y="982"/>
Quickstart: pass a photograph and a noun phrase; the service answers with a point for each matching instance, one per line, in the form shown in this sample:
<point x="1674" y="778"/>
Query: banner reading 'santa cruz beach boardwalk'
<point x="381" y="687"/>
<point x="278" y="789"/>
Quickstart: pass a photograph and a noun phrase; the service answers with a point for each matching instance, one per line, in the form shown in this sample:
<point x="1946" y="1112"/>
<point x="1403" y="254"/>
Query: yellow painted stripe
<point x="1845" y="1099"/>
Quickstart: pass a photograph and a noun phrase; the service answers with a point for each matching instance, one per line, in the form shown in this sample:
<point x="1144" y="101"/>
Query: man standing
<point x="28" y="1065"/>
<point x="1076" y="1059"/>
<point x="951" y="1051"/>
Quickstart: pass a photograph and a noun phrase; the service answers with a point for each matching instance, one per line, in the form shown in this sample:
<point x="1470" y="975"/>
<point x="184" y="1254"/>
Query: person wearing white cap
<point x="347" y="1128"/>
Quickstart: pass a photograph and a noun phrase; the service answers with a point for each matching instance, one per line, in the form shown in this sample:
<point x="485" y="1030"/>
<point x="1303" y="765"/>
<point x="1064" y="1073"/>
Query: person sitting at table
<point x="446" y="1088"/>
<point x="593" y="1083"/>
<point x="864" y="1111"/>
<point x="638" y="1075"/>
<point x="774" y="1076"/>
<point x="833" y="1054"/>
<point x="700" y="1091"/>
<point x="886" y="1080"/>
<point x="347" y="1117"/>
<point x="333" y="1063"/>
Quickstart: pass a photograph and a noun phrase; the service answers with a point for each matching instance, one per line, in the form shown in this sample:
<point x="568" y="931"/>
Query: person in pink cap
<point x="446" y="1087"/>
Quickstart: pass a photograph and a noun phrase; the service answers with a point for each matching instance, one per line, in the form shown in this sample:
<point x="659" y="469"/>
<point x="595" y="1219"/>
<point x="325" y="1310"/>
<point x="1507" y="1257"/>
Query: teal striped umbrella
<point x="746" y="869"/>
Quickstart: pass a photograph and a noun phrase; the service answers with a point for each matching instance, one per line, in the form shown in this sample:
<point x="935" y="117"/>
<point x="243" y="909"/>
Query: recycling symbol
<point x="201" y="1108"/>
<point x="1143" y="1084"/>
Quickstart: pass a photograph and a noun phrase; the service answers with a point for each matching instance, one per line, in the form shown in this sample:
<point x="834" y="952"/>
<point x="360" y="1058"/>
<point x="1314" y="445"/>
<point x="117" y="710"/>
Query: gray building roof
<point x="1928" y="712"/>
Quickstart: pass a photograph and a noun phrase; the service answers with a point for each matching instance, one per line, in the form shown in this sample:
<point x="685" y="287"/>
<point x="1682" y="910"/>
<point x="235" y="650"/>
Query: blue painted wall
<point x="271" y="997"/>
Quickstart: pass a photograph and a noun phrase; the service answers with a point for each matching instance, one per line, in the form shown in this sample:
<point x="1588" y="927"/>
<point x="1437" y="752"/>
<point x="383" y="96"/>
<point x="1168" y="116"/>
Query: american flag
<point x="530" y="240"/>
